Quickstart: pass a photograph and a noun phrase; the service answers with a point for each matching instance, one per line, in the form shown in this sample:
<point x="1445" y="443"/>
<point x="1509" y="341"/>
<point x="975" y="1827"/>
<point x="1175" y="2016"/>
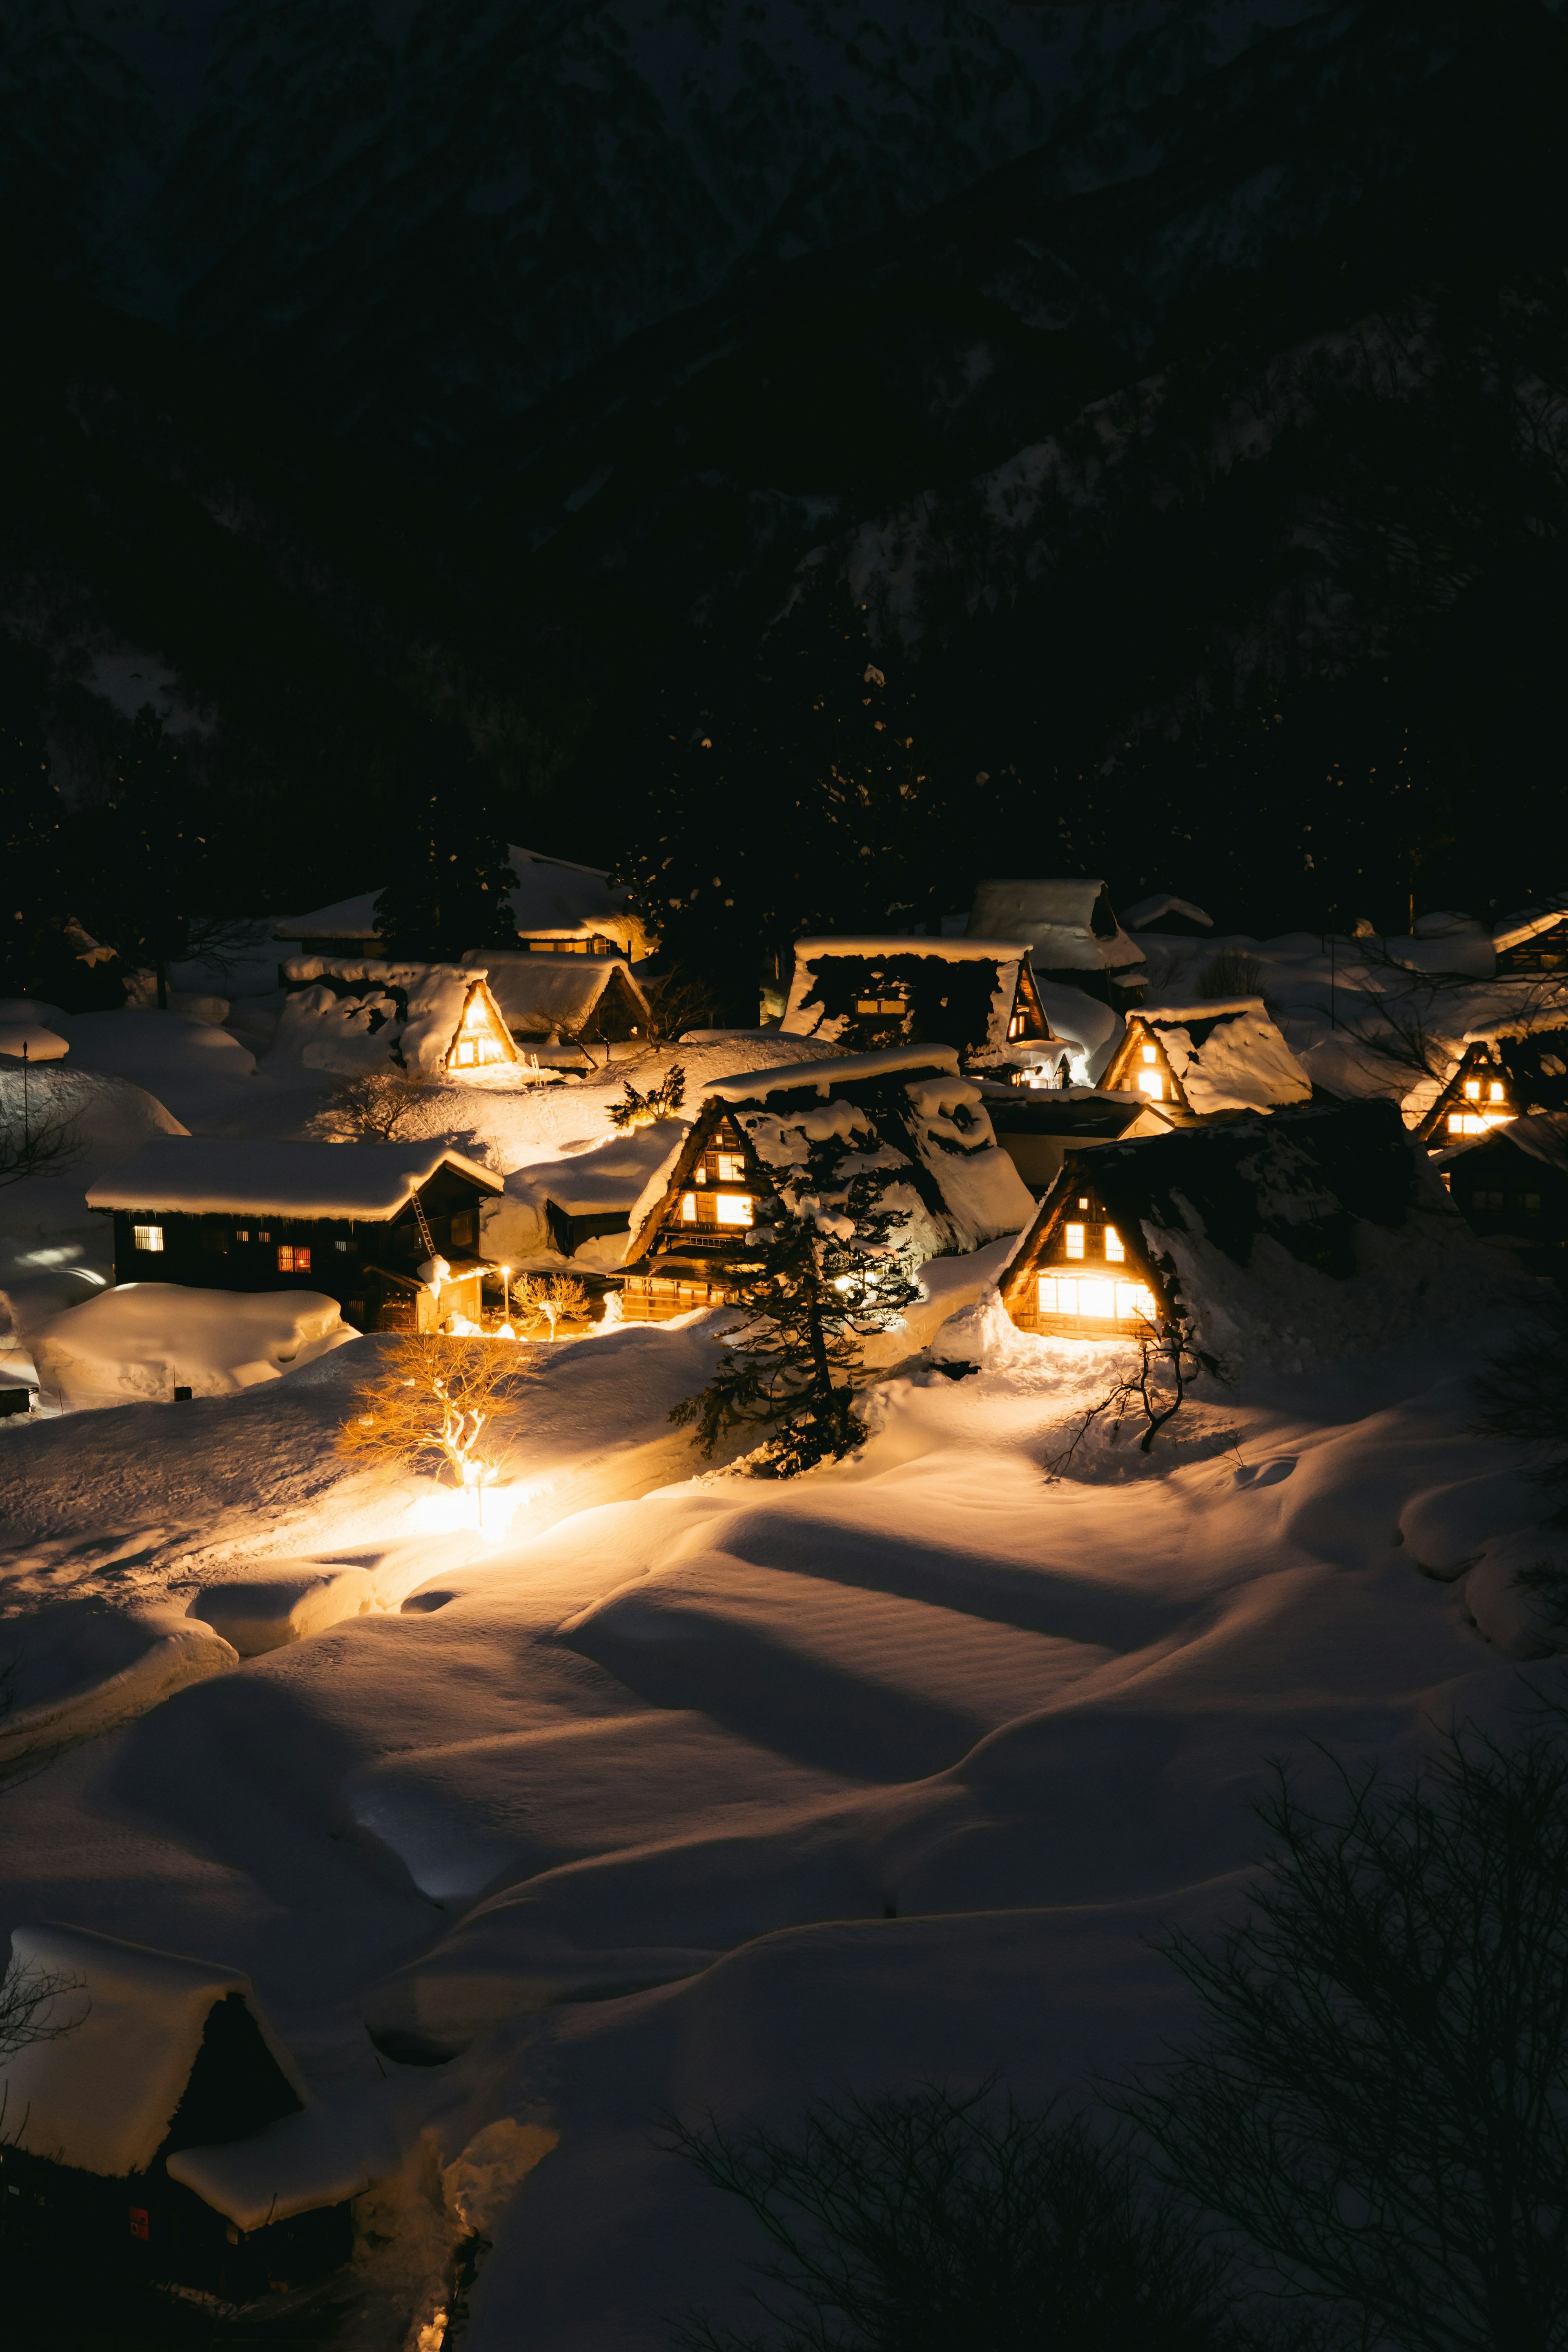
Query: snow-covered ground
<point x="676" y="1791"/>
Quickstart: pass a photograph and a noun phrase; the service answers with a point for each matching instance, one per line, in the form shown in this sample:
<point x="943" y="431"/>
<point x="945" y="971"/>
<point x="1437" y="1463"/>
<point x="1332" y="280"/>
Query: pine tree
<point x="818" y="1285"/>
<point x="446" y="858"/>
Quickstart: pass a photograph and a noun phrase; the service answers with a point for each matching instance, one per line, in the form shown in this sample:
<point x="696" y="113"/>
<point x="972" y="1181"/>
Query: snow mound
<point x="198" y="1069"/>
<point x="139" y="1342"/>
<point x="75" y="1668"/>
<point x="112" y="1116"/>
<point x="294" y="1598"/>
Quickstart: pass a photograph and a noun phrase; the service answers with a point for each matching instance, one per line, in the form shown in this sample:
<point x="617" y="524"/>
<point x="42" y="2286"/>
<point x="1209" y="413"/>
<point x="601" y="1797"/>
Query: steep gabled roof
<point x="1529" y="922"/>
<point x="810" y="1128"/>
<point x="1227" y="1056"/>
<point x="1314" y="1230"/>
<point x="1543" y="1135"/>
<point x="350" y="1012"/>
<point x="553" y="899"/>
<point x="195" y="1175"/>
<point x="960" y="992"/>
<point x="1149" y="911"/>
<point x="538" y="993"/>
<point x="1068" y="925"/>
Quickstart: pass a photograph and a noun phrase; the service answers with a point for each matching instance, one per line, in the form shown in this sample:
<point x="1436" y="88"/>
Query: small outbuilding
<point x="435" y="1021"/>
<point x="1510" y="1186"/>
<point x="1207" y="1061"/>
<point x="1317" y="1229"/>
<point x="869" y="994"/>
<point x="1071" y="933"/>
<point x="557" y="1002"/>
<point x="1162" y="911"/>
<point x="391" y="1231"/>
<point x="811" y="1138"/>
<point x="124" y="2124"/>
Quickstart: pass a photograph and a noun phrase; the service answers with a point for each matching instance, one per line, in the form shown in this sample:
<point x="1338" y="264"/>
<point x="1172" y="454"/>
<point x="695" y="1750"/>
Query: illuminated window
<point x="243" y="1234"/>
<point x="1494" y="1091"/>
<point x="291" y="1260"/>
<point x="468" y="1051"/>
<point x="734" y="1208"/>
<point x="1472" y="1089"/>
<point x="1149" y="1054"/>
<point x="731" y="1168"/>
<point x="1097" y="1299"/>
<point x="1083" y="1200"/>
<point x="1151" y="1083"/>
<point x="688" y="1208"/>
<point x="1113" y="1249"/>
<point x="1466" y="1122"/>
<point x="1075" y="1241"/>
<point x="1016" y="1026"/>
<point x="886" y="1005"/>
<point x="148" y="1237"/>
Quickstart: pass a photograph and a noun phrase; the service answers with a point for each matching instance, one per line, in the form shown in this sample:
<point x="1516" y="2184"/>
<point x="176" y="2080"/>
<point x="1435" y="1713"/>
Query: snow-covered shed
<point x="1510" y="1185"/>
<point x="1179" y="918"/>
<point x="389" y="1230"/>
<point x="1532" y="1045"/>
<point x="1207" y="1060"/>
<point x="1534" y="942"/>
<point x="546" y="999"/>
<point x="582" y="1203"/>
<point x="1478" y="1096"/>
<point x="558" y="907"/>
<point x="148" y="2067"/>
<point x="1318" y="1229"/>
<point x="1072" y="934"/>
<point x="900" y="1130"/>
<point x="867" y="994"/>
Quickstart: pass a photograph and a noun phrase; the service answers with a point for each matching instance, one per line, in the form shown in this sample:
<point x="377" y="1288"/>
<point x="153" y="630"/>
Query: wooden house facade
<point x="1479" y="1097"/>
<point x="131" y="2127"/>
<point x="868" y="995"/>
<point x="901" y="1131"/>
<point x="1072" y="932"/>
<point x="1207" y="1061"/>
<point x="1321" y="1222"/>
<point x="389" y="1231"/>
<point x="435" y="1020"/>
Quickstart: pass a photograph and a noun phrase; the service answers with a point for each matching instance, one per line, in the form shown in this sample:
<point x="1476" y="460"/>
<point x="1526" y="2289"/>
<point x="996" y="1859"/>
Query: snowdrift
<point x="139" y="1342"/>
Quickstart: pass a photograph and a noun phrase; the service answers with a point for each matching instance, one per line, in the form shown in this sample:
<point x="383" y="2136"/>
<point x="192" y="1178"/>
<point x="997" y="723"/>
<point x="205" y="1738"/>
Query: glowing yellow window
<point x="688" y="1208"/>
<point x="734" y="1208"/>
<point x="1075" y="1241"/>
<point x="1472" y="1089"/>
<point x="148" y="1237"/>
<point x="1113" y="1249"/>
<point x="731" y="1168"/>
<point x="1466" y="1122"/>
<point x="468" y="1051"/>
<point x="1494" y="1092"/>
<point x="1149" y="1054"/>
<point x="1097" y="1299"/>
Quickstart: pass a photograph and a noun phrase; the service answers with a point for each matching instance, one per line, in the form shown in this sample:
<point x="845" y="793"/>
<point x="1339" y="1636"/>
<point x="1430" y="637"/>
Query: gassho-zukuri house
<point x="559" y="908"/>
<point x="553" y="1005"/>
<point x="432" y="1021"/>
<point x="391" y="1231"/>
<point x="1207" y="1060"/>
<point x="163" y="2130"/>
<point x="1307" y="1233"/>
<point x="1071" y="933"/>
<point x="793" y="1139"/>
<point x="866" y="994"/>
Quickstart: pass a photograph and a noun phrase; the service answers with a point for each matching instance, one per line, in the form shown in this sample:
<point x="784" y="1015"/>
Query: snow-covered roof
<point x="1514" y="930"/>
<point x="100" y="2094"/>
<point x="1147" y="911"/>
<point x="963" y="991"/>
<point x="1542" y="1134"/>
<point x="1315" y="1232"/>
<point x="614" y="1175"/>
<point x="1531" y="1021"/>
<point x="906" y="1117"/>
<point x="220" y="1175"/>
<point x="755" y="1085"/>
<point x="538" y="993"/>
<point x="363" y="1013"/>
<point x="553" y="899"/>
<point x="1225" y="1055"/>
<point x="30" y="1041"/>
<point x="1070" y="925"/>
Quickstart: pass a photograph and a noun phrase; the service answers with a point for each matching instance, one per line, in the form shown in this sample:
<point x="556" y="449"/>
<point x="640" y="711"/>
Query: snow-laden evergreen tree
<point x="817" y="1285"/>
<point x="445" y="856"/>
<point x="788" y="791"/>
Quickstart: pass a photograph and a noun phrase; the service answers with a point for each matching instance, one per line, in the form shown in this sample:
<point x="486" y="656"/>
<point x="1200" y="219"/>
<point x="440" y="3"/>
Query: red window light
<point x="291" y="1260"/>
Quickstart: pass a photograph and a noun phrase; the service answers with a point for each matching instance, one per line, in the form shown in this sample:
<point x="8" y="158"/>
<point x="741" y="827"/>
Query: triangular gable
<point x="349" y="1013"/>
<point x="976" y="996"/>
<point x="1210" y="1059"/>
<point x="1456" y="1112"/>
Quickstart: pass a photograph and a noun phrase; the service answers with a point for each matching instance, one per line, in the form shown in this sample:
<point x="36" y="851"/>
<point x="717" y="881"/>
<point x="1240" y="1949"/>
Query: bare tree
<point x="38" y="1136"/>
<point x="935" y="2220"/>
<point x="1379" y="2102"/>
<point x="1156" y="1387"/>
<point x="438" y="1395"/>
<point x="551" y="1299"/>
<point x="368" y="1106"/>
